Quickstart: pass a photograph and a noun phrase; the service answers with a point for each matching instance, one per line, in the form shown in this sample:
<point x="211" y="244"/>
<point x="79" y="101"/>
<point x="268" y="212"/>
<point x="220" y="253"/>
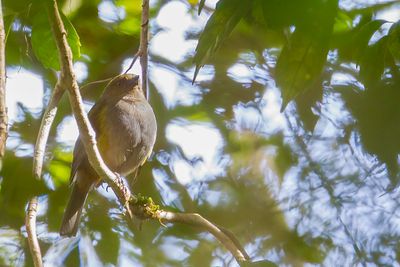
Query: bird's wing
<point x="79" y="154"/>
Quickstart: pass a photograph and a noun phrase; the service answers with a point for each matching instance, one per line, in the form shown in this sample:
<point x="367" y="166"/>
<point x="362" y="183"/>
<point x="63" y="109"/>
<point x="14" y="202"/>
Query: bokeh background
<point x="315" y="184"/>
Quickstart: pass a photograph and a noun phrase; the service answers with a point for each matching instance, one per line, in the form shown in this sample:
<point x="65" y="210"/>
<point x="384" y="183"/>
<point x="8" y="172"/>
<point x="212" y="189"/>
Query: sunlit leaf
<point x="59" y="167"/>
<point x="130" y="26"/>
<point x="132" y="7"/>
<point x="342" y="23"/>
<point x="44" y="45"/>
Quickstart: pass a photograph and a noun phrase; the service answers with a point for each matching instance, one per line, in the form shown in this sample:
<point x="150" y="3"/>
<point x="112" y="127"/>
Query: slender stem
<point x="143" y="48"/>
<point x="45" y="126"/>
<point x="30" y="224"/>
<point x="195" y="219"/>
<point x="3" y="107"/>
<point x="144" y="44"/>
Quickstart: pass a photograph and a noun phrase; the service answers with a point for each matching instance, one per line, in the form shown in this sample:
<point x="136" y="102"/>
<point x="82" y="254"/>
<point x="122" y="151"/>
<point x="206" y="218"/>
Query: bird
<point x="126" y="129"/>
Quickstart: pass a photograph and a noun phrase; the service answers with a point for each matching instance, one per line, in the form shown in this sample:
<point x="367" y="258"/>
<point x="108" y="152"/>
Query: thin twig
<point x="143" y="47"/>
<point x="30" y="224"/>
<point x="44" y="130"/>
<point x="95" y="82"/>
<point x="3" y="107"/>
<point x="194" y="219"/>
<point x="145" y="209"/>
<point x="135" y="57"/>
<point x="144" y="43"/>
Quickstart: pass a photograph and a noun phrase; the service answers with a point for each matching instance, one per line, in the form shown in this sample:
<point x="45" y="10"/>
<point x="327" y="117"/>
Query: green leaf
<point x="201" y="5"/>
<point x="129" y="26"/>
<point x="44" y="45"/>
<point x="226" y="16"/>
<point x="373" y="62"/>
<point x="302" y="58"/>
<point x="361" y="39"/>
<point x="343" y="23"/>
<point x="394" y="40"/>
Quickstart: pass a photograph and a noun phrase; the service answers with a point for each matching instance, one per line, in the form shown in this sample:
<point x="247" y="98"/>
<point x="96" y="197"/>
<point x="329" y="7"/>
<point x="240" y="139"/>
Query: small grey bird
<point x="126" y="130"/>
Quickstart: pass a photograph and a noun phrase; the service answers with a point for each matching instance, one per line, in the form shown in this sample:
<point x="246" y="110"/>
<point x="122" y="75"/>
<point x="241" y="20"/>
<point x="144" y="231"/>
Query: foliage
<point x="313" y="184"/>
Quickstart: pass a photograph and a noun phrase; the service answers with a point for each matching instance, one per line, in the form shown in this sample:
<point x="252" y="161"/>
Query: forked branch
<point x="67" y="81"/>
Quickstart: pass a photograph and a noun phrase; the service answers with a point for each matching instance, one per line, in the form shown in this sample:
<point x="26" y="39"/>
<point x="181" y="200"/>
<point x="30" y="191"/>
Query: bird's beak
<point x="132" y="79"/>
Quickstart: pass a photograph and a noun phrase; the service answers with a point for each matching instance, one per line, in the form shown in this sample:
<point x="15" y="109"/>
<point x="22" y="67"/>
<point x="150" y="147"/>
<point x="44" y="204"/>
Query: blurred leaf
<point x="60" y="168"/>
<point x="29" y="122"/>
<point x="301" y="250"/>
<point x="108" y="239"/>
<point x="377" y="113"/>
<point x="43" y="42"/>
<point x="373" y="62"/>
<point x="17" y="187"/>
<point x="131" y="7"/>
<point x="283" y="13"/>
<point x="304" y="55"/>
<point x="306" y="102"/>
<point x="393" y="42"/>
<point x="193" y="113"/>
<point x="362" y="37"/>
<point x="201" y="5"/>
<point x="130" y="26"/>
<point x="285" y="158"/>
<point x="57" y="201"/>
<point x="226" y="16"/>
<point x="201" y="253"/>
<point x="343" y="22"/>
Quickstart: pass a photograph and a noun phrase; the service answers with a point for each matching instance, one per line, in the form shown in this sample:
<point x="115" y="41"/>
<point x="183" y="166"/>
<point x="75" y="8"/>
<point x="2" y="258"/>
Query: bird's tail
<point x="72" y="214"/>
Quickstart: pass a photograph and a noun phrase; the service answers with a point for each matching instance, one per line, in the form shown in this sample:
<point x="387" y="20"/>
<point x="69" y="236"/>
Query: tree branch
<point x="3" y="108"/>
<point x="143" y="47"/>
<point x="144" y="44"/>
<point x="225" y="237"/>
<point x="145" y="209"/>
<point x="30" y="224"/>
<point x="44" y="130"/>
<point x="67" y="81"/>
<point x="87" y="135"/>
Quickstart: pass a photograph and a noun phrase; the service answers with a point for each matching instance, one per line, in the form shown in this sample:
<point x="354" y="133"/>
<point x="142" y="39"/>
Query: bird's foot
<point x="120" y="183"/>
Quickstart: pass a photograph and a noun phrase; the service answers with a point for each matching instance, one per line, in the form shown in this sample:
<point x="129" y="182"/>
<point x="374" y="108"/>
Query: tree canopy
<point x="277" y="119"/>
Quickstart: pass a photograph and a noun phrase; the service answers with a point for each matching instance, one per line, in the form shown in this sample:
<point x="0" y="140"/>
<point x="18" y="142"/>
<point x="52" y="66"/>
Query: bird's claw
<point x="120" y="183"/>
